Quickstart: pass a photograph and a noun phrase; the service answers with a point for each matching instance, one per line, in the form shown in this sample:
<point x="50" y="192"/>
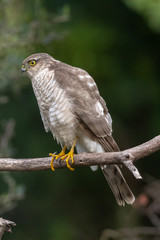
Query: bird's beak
<point x="23" y="68"/>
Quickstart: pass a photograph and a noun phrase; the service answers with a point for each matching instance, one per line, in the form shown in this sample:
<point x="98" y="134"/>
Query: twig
<point x="126" y="157"/>
<point x="131" y="233"/>
<point x="5" y="226"/>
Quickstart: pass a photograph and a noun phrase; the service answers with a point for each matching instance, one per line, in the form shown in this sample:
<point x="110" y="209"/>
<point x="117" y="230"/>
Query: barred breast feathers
<point x="55" y="107"/>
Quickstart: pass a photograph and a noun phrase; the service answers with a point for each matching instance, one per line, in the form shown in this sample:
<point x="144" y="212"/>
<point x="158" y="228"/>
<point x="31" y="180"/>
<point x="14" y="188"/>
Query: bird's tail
<point x="118" y="184"/>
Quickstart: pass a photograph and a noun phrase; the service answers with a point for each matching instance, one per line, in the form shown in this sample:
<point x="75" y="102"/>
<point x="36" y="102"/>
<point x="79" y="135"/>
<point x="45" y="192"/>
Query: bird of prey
<point x="73" y="110"/>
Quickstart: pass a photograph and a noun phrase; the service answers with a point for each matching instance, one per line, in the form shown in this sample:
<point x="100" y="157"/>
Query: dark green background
<point x="118" y="43"/>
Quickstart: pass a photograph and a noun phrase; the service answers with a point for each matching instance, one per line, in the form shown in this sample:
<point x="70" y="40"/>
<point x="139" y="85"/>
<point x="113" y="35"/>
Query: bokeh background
<point x="118" y="43"/>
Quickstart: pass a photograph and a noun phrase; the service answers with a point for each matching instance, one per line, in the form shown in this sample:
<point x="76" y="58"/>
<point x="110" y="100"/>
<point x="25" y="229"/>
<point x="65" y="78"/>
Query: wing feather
<point x="94" y="120"/>
<point x="98" y="125"/>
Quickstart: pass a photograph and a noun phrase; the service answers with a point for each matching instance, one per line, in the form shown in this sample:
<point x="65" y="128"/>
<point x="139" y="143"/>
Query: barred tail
<point x="118" y="184"/>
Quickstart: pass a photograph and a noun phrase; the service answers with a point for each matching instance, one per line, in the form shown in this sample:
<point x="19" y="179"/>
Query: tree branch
<point x="126" y="157"/>
<point x="5" y="226"/>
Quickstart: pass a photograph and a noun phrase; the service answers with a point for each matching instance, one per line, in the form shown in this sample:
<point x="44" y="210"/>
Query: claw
<point x="64" y="156"/>
<point x="56" y="156"/>
<point x="53" y="156"/>
<point x="67" y="157"/>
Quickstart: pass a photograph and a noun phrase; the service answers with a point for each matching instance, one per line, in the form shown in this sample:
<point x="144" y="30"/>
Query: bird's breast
<point x="56" y="109"/>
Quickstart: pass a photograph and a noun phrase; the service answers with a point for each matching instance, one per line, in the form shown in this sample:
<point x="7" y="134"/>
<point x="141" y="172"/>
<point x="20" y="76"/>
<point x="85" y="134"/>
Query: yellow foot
<point x="56" y="156"/>
<point x="67" y="157"/>
<point x="64" y="156"/>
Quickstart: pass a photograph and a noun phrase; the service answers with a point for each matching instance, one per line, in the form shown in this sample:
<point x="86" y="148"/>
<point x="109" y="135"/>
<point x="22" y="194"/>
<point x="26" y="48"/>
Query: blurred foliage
<point x="149" y="9"/>
<point x="10" y="193"/>
<point x="118" y="44"/>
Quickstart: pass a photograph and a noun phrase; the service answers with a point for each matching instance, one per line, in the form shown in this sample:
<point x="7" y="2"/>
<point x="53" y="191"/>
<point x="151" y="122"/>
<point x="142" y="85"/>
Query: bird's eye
<point x="32" y="62"/>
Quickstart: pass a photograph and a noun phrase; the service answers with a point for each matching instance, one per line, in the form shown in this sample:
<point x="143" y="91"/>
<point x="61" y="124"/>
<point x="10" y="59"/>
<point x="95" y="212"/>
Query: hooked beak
<point x="23" y="68"/>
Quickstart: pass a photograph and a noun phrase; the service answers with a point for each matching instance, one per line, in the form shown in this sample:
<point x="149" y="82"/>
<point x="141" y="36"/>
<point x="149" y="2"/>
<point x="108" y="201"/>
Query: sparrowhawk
<point x="73" y="110"/>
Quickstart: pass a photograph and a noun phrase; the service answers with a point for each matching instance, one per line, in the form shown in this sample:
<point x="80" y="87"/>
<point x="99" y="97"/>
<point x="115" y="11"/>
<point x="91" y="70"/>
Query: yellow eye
<point x="32" y="62"/>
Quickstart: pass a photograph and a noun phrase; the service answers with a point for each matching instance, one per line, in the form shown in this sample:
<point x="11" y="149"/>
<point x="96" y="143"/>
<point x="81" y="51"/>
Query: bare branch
<point x="126" y="157"/>
<point x="131" y="233"/>
<point x="5" y="226"/>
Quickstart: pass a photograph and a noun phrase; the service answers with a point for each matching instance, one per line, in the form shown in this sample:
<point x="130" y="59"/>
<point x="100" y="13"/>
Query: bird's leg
<point x="56" y="156"/>
<point x="69" y="156"/>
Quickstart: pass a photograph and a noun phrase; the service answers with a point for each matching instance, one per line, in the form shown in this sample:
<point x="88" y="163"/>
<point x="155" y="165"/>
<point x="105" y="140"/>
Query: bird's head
<point x="35" y="62"/>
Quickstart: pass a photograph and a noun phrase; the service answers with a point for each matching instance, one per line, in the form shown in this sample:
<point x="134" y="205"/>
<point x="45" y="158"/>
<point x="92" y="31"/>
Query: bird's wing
<point x="98" y="125"/>
<point x="95" y="121"/>
<point x="89" y="107"/>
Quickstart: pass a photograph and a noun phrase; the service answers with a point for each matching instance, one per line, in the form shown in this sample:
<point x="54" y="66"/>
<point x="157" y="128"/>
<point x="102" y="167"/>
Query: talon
<point x="51" y="164"/>
<point x="64" y="156"/>
<point x="67" y="157"/>
<point x="56" y="156"/>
